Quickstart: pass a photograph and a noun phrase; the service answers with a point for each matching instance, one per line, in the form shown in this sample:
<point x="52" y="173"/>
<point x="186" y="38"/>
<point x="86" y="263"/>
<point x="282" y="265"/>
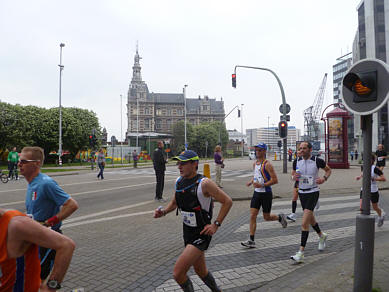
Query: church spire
<point x="136" y="76"/>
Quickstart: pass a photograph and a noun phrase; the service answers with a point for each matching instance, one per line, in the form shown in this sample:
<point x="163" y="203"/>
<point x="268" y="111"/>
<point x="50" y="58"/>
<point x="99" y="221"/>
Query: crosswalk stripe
<point x="279" y="241"/>
<point x="324" y="207"/>
<point x="322" y="200"/>
<point x="243" y="276"/>
<point x="319" y="218"/>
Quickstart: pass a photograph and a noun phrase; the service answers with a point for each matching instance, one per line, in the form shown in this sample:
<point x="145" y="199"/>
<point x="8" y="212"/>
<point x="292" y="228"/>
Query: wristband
<point x="325" y="178"/>
<point x="53" y="220"/>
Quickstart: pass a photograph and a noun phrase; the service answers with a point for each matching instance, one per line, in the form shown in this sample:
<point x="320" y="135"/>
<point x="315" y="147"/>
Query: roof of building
<point x="167" y="97"/>
<point x="193" y="104"/>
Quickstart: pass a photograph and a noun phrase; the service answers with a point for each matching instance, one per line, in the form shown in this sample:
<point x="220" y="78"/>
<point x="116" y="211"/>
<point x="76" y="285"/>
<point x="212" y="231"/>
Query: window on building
<point x="168" y="123"/>
<point x="158" y="124"/>
<point x="179" y="112"/>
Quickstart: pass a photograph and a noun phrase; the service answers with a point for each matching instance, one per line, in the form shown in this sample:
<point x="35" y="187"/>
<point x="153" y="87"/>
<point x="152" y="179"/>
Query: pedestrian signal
<point x="279" y="143"/>
<point x="363" y="86"/>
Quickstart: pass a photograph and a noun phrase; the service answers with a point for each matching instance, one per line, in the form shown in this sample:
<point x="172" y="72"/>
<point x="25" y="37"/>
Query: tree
<point x="178" y="141"/>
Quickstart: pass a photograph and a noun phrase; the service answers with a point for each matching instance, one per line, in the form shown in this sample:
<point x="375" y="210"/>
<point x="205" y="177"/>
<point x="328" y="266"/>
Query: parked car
<point x="252" y="155"/>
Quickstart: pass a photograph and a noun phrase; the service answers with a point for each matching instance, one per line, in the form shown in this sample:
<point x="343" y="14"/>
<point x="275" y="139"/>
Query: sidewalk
<point x="336" y="273"/>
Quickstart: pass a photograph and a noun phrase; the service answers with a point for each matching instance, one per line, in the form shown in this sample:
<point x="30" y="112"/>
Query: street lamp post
<point x="184" y="90"/>
<point x="121" y="130"/>
<point x="268" y="131"/>
<point x="61" y="45"/>
<point x="137" y="122"/>
<point x="284" y="170"/>
<point x="241" y="126"/>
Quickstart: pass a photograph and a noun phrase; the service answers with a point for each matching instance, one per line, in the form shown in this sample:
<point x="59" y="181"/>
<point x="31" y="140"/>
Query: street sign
<point x="365" y="87"/>
<point x="287" y="118"/>
<point x="287" y="108"/>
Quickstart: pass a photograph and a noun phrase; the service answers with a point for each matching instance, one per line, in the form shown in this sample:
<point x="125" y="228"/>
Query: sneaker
<point x="283" y="221"/>
<point x="298" y="257"/>
<point x="248" y="243"/>
<point x="317" y="205"/>
<point x="322" y="241"/>
<point x="381" y="219"/>
<point x="162" y="200"/>
<point x="291" y="217"/>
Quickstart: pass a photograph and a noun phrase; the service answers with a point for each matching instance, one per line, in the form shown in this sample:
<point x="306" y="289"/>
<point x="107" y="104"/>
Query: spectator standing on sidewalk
<point x="13" y="159"/>
<point x="101" y="163"/>
<point x="356" y="154"/>
<point x="307" y="176"/>
<point x="46" y="202"/>
<point x="159" y="162"/>
<point x="264" y="178"/>
<point x="376" y="175"/>
<point x="381" y="157"/>
<point x="352" y="155"/>
<point x="194" y="198"/>
<point x="19" y="260"/>
<point x="135" y="158"/>
<point x="219" y="164"/>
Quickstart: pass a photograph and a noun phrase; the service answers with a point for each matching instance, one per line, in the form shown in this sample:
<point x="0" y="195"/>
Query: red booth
<point x="336" y="138"/>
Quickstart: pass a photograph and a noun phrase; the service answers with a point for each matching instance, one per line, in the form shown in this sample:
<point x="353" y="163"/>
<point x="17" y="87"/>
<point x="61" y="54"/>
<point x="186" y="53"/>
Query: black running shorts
<point x="308" y="200"/>
<point x="262" y="199"/>
<point x="374" y="197"/>
<point x="200" y="241"/>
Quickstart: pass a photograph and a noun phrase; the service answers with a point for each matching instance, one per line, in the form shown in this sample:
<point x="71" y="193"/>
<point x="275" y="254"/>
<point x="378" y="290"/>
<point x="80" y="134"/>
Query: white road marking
<point x="283" y="240"/>
<point x="243" y="276"/>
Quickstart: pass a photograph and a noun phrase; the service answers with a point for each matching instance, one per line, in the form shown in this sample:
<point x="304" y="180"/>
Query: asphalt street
<point x="121" y="247"/>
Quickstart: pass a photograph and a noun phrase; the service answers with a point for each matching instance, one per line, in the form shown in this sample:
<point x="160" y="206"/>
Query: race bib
<point x="380" y="159"/>
<point x="306" y="181"/>
<point x="189" y="218"/>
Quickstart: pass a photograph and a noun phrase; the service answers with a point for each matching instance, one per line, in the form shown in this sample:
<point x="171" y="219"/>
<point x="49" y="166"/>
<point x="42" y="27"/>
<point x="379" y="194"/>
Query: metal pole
<point x="186" y="144"/>
<point x="285" y="165"/>
<point x="268" y="131"/>
<point x="121" y="130"/>
<point x="241" y="126"/>
<point x="364" y="233"/>
<point x="137" y="122"/>
<point x="61" y="45"/>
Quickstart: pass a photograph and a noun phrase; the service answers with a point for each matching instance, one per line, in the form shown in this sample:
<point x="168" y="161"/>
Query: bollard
<point x="207" y="170"/>
<point x="275" y="156"/>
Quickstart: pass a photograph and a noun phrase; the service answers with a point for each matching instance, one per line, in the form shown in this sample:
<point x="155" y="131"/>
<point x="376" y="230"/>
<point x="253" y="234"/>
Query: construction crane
<point x="312" y="114"/>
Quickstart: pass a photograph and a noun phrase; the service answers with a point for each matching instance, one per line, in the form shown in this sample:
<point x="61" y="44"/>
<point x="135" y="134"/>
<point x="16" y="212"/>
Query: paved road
<point x="120" y="247"/>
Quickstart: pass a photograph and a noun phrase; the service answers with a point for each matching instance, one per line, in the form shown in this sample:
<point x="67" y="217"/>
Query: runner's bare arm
<point x="68" y="208"/>
<point x="273" y="176"/>
<point x="22" y="231"/>
<point x="170" y="207"/>
<point x="211" y="189"/>
<point x="327" y="174"/>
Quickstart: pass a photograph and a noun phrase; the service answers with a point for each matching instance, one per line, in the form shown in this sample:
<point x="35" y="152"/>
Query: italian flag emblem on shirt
<point x="33" y="196"/>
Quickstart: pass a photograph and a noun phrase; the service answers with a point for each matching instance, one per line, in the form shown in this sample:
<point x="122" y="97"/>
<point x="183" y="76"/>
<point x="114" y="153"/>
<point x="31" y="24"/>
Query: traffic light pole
<point x="364" y="233"/>
<point x="285" y="162"/>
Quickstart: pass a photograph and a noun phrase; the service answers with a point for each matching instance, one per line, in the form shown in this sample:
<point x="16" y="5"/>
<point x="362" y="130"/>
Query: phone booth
<point x="336" y="138"/>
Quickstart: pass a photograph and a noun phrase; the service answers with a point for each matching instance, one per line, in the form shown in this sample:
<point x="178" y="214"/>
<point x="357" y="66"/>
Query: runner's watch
<point x="53" y="284"/>
<point x="217" y="223"/>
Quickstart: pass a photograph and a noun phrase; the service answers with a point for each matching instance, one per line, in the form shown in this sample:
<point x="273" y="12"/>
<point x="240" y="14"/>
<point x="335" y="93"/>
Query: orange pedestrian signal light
<point x="362" y="85"/>
<point x="234" y="80"/>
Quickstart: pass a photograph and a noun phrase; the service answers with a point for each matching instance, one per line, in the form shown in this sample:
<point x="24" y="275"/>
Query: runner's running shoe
<point x="292" y="217"/>
<point x="381" y="219"/>
<point x="298" y="257"/>
<point x="322" y="241"/>
<point x="248" y="243"/>
<point x="283" y="221"/>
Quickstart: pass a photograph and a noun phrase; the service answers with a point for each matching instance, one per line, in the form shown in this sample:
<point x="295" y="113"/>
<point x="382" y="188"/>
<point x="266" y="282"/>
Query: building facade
<point x="372" y="41"/>
<point x="339" y="70"/>
<point x="156" y="113"/>
<point x="270" y="137"/>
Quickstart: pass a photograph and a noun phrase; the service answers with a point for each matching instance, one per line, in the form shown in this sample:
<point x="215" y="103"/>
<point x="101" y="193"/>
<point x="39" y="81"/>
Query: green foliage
<point x="22" y="126"/>
<point x="197" y="137"/>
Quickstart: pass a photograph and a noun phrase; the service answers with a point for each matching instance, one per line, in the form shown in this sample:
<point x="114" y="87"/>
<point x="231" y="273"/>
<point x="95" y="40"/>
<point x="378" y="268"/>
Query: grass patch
<point x="44" y="170"/>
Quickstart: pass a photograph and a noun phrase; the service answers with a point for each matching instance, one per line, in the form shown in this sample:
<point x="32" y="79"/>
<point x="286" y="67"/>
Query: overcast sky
<point x="197" y="43"/>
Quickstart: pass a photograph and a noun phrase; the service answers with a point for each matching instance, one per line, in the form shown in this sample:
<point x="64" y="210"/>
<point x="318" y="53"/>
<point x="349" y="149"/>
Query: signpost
<point x="365" y="90"/>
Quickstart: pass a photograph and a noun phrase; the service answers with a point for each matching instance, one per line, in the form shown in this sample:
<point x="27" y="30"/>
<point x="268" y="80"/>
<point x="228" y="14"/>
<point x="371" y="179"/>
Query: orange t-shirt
<point x="21" y="274"/>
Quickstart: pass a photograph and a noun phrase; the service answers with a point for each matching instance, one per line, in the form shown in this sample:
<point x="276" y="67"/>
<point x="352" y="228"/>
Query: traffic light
<point x="279" y="143"/>
<point x="90" y="140"/>
<point x="234" y="80"/>
<point x="238" y="113"/>
<point x="94" y="140"/>
<point x="283" y="129"/>
<point x="363" y="86"/>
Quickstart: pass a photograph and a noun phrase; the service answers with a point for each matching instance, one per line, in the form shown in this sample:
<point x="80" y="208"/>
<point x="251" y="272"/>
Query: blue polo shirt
<point x="44" y="198"/>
